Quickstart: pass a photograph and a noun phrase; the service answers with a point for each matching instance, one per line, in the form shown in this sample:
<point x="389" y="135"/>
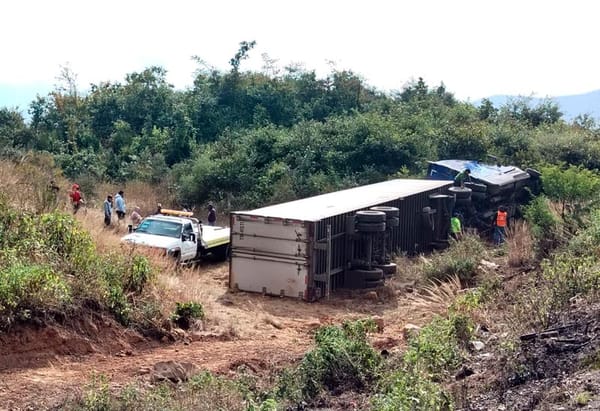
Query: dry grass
<point x="437" y="297"/>
<point x="520" y="244"/>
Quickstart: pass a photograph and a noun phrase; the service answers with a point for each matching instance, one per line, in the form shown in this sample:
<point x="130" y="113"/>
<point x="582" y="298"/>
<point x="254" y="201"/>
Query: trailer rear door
<point x="270" y="255"/>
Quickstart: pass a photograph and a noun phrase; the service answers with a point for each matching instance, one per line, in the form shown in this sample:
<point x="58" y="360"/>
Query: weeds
<point x="460" y="260"/>
<point x="185" y="313"/>
<point x="520" y="244"/>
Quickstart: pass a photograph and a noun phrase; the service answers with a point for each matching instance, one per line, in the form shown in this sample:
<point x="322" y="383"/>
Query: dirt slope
<point x="40" y="367"/>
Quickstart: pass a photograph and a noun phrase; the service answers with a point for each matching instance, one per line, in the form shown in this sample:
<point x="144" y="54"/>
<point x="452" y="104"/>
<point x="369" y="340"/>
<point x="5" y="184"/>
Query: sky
<point x="477" y="48"/>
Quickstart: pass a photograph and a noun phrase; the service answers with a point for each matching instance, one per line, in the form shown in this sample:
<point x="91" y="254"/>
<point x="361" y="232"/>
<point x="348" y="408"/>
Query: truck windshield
<point x="158" y="227"/>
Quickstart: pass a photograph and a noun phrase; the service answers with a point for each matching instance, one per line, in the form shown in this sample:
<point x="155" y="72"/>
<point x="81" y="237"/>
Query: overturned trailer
<point x="311" y="247"/>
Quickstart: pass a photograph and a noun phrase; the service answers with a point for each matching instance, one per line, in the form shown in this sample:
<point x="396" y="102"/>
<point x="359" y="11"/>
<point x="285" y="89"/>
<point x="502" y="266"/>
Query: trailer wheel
<point x="479" y="196"/>
<point x="476" y="187"/>
<point x="463" y="201"/>
<point x="373" y="284"/>
<point x="371" y="227"/>
<point x="368" y="275"/>
<point x="392" y="222"/>
<point x="370" y="216"/>
<point x="388" y="269"/>
<point x="460" y="192"/>
<point x="389" y="211"/>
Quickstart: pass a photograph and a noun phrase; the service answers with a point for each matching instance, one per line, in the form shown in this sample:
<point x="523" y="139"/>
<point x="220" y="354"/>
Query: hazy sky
<point x="477" y="48"/>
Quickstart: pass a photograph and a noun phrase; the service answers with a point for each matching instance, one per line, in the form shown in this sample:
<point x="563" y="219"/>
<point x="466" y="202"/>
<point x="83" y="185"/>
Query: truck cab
<point x="181" y="236"/>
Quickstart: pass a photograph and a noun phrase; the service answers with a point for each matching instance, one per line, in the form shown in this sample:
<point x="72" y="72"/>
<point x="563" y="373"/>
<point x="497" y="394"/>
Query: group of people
<point x="118" y="205"/>
<point x="500" y="223"/>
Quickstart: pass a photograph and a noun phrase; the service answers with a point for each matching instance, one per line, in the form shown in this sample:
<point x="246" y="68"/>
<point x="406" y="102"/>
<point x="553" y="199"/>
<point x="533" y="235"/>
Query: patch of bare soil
<point x="555" y="369"/>
<point x="41" y="366"/>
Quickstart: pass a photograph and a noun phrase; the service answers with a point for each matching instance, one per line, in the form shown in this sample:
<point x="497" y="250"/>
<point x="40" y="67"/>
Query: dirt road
<point x="41" y="367"/>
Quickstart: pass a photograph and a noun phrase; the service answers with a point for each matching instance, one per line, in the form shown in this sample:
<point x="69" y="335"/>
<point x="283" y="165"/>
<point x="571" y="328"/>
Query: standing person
<point x="455" y="227"/>
<point x="108" y="210"/>
<point x="465" y="175"/>
<point x="500" y="224"/>
<point x="120" y="206"/>
<point x="136" y="217"/>
<point x="76" y="198"/>
<point x="212" y="215"/>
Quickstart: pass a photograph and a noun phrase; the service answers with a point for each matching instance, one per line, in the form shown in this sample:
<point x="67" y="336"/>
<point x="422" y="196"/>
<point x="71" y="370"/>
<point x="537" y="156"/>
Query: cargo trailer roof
<point x="339" y="202"/>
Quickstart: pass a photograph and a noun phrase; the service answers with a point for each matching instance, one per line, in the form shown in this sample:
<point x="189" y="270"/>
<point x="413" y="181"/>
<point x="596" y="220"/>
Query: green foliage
<point x="572" y="187"/>
<point x="342" y="360"/>
<point x="186" y="312"/>
<point x="461" y="260"/>
<point x="49" y="263"/>
<point x="25" y="289"/>
<point x="431" y="356"/>
<point x="436" y="349"/>
<point x="412" y="391"/>
<point x="544" y="225"/>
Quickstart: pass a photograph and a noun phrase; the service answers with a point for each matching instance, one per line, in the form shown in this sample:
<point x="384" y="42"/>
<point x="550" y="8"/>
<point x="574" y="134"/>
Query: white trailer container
<point x="300" y="248"/>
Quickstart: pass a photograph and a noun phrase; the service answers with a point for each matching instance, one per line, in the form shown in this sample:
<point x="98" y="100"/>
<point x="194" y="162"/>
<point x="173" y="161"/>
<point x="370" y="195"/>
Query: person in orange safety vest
<point x="500" y="224"/>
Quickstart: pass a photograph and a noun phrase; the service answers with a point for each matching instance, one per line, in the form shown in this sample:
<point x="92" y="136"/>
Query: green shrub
<point x="461" y="260"/>
<point x="436" y="349"/>
<point x="408" y="390"/>
<point x="28" y="288"/>
<point x="186" y="312"/>
<point x="342" y="360"/>
<point x="544" y="225"/>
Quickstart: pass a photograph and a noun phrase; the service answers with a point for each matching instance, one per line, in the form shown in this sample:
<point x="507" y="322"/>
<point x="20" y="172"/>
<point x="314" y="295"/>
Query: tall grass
<point x="521" y="244"/>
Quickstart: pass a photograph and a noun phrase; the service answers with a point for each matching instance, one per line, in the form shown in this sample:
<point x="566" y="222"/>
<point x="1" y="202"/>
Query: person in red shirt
<point x="76" y="198"/>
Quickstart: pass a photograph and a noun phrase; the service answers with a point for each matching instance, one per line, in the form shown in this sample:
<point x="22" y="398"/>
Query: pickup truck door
<point x="188" y="246"/>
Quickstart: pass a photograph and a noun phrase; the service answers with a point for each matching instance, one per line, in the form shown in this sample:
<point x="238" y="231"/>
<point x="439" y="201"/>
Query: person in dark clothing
<point x="212" y="215"/>
<point x="465" y="175"/>
<point x="108" y="210"/>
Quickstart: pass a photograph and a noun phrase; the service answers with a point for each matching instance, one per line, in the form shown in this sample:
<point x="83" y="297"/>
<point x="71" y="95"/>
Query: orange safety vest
<point x="501" y="218"/>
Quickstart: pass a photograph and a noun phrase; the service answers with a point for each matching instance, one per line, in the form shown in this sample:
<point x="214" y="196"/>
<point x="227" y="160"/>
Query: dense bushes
<point x="49" y="264"/>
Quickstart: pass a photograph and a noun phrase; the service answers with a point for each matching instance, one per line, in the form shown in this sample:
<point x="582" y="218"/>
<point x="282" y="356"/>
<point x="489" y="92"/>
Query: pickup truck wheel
<point x="370" y="216"/>
<point x="222" y="252"/>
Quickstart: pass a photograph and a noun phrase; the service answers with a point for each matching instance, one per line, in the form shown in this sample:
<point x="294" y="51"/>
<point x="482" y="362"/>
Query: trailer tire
<point x="370" y="216"/>
<point x="374" y="284"/>
<point x="389" y="211"/>
<point x="479" y="196"/>
<point x="463" y="201"/>
<point x="369" y="275"/>
<point x="388" y="269"/>
<point x="392" y="222"/>
<point x="476" y="187"/>
<point x="460" y="192"/>
<point x="370" y="227"/>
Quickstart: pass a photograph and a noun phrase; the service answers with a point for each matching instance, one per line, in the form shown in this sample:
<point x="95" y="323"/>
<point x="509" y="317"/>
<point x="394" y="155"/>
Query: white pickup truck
<point x="181" y="237"/>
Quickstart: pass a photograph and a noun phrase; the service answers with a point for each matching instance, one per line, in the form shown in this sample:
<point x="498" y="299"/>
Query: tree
<point x="572" y="187"/>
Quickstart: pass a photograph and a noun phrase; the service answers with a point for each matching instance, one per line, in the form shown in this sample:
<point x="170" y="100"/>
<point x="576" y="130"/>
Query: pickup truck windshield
<point x="158" y="227"/>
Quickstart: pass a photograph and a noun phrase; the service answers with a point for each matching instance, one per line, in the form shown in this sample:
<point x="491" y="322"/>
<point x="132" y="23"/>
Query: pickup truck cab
<point x="181" y="236"/>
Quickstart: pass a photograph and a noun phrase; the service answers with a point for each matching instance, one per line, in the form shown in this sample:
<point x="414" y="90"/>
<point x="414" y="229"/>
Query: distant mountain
<point x="570" y="106"/>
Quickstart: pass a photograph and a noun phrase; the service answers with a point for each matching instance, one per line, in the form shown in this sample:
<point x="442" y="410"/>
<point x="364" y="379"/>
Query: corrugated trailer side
<point x="409" y="238"/>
